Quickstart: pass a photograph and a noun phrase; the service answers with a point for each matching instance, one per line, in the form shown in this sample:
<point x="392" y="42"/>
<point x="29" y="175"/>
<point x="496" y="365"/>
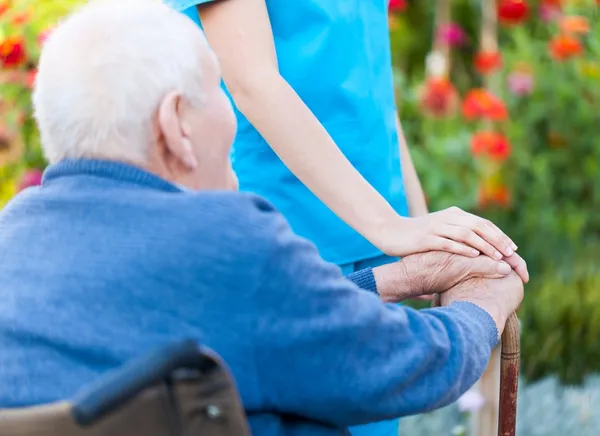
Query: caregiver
<point x="318" y="134"/>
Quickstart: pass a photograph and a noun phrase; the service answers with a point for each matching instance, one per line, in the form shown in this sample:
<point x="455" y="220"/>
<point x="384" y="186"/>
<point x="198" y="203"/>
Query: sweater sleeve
<point x="364" y="279"/>
<point x="330" y="352"/>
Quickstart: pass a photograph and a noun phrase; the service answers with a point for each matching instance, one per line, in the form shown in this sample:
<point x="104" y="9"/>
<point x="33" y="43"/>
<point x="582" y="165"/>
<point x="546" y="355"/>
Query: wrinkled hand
<point x="498" y="297"/>
<point x="435" y="272"/>
<point x="425" y="274"/>
<point x="451" y="230"/>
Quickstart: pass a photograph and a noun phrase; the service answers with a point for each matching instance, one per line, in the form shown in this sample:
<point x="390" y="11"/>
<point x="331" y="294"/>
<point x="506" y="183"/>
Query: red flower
<point x="563" y="47"/>
<point x="493" y="145"/>
<point x="12" y="52"/>
<point x="496" y="194"/>
<point x="512" y="11"/>
<point x="480" y="103"/>
<point x="439" y="97"/>
<point x="397" y="5"/>
<point x="487" y="62"/>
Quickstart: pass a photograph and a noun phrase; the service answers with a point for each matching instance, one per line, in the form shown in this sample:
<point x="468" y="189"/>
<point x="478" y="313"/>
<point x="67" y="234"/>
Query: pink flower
<point x="42" y="37"/>
<point x="471" y="401"/>
<point x="451" y="34"/>
<point x="520" y="83"/>
<point x="30" y="178"/>
<point x="549" y="12"/>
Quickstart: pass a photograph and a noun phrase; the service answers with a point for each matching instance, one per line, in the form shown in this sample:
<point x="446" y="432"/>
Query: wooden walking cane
<point x="510" y="357"/>
<point x="510" y="353"/>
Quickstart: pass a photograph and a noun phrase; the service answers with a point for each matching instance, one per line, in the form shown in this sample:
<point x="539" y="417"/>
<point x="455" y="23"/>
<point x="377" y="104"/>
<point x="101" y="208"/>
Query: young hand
<point x="452" y="230"/>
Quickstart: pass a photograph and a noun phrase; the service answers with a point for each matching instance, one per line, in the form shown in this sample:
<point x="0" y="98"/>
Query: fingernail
<point x="509" y="251"/>
<point x="514" y="246"/>
<point x="475" y="252"/>
<point x="497" y="255"/>
<point x="504" y="268"/>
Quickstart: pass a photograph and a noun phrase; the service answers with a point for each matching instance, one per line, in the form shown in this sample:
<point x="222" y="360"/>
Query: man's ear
<point x="176" y="140"/>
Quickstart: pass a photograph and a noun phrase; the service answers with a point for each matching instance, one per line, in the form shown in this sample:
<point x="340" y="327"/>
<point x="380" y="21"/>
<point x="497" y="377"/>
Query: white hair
<point x="103" y="73"/>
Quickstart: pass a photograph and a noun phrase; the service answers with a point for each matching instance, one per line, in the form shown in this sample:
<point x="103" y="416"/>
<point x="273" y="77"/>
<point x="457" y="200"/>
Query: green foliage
<point x="560" y="324"/>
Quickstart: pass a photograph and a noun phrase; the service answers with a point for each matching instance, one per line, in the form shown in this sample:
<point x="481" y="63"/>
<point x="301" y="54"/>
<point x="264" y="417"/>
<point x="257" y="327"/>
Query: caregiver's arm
<point x="329" y="352"/>
<point x="239" y="31"/>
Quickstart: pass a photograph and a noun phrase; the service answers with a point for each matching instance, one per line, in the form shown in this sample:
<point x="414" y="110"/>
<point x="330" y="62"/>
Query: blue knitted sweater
<point x="105" y="262"/>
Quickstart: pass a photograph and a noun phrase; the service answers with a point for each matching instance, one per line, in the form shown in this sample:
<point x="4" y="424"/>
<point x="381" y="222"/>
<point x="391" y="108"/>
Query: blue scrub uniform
<point x="336" y="56"/>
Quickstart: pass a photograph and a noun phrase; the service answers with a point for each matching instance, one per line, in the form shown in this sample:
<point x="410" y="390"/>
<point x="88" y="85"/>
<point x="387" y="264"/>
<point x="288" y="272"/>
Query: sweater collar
<point x="107" y="169"/>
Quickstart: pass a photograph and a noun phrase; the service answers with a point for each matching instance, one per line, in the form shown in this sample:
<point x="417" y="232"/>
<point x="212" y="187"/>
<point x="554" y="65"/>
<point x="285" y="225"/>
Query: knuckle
<point x="447" y="246"/>
<point x="465" y="233"/>
<point x="481" y="225"/>
<point x="430" y="241"/>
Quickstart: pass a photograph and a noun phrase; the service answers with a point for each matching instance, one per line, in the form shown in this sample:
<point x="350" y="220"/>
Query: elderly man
<point x="137" y="237"/>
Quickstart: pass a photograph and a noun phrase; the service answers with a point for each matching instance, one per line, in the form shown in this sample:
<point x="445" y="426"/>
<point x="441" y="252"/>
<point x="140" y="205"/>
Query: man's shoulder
<point x="233" y="206"/>
<point x="233" y="216"/>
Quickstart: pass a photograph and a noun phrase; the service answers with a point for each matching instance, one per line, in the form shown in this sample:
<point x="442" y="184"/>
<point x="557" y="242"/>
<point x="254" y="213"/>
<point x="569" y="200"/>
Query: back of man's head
<point x="103" y="73"/>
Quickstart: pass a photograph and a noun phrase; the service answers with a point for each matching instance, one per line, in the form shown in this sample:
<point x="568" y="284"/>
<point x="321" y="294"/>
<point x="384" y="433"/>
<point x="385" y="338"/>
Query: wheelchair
<point x="178" y="390"/>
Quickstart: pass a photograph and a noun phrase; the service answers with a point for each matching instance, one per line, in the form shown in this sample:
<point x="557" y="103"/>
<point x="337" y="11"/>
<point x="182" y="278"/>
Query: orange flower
<point x="564" y="47"/>
<point x="4" y="6"/>
<point x="393" y="22"/>
<point x="438" y="97"/>
<point x="480" y="103"/>
<point x="30" y="78"/>
<point x="495" y="194"/>
<point x="487" y="62"/>
<point x="21" y="18"/>
<point x="574" y="24"/>
<point x="12" y="52"/>
<point x="494" y="145"/>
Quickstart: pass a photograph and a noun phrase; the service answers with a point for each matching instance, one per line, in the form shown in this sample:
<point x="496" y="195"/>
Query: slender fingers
<point x="469" y="237"/>
<point x="441" y="243"/>
<point x="492" y="234"/>
<point x="518" y="264"/>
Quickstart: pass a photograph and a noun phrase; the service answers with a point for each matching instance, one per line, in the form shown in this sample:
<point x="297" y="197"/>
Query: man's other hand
<point x="498" y="297"/>
<point x="434" y="272"/>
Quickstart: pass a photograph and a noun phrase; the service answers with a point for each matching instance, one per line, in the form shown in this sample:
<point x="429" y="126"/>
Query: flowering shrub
<point x="24" y="24"/>
<point x="523" y="150"/>
<point x="524" y="139"/>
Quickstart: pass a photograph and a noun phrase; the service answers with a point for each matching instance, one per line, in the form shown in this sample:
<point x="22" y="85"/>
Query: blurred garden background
<point x="500" y="103"/>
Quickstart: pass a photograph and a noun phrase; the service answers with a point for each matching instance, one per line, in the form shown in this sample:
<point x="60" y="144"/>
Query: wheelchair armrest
<point x="125" y="383"/>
